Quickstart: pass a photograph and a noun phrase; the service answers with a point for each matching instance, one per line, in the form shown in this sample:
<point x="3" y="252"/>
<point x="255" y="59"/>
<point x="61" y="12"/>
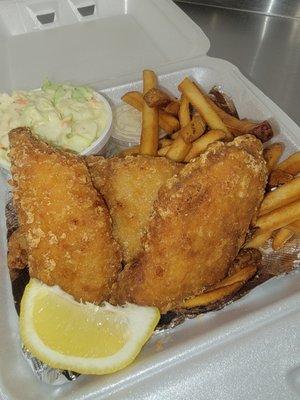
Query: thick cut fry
<point x="150" y="134"/>
<point x="278" y="178"/>
<point x="258" y="240"/>
<point x="163" y="151"/>
<point x="193" y="130"/>
<point x="167" y="122"/>
<point x="281" y="237"/>
<point x="279" y="218"/>
<point x="282" y="196"/>
<point x="291" y="165"/>
<point x="272" y="154"/>
<point x="184" y="111"/>
<point x="295" y="227"/>
<point x="263" y="130"/>
<point x="223" y="289"/>
<point x="135" y="99"/>
<point x="200" y="145"/>
<point x="175" y="135"/>
<point x="243" y="275"/>
<point x="165" y="142"/>
<point x="197" y="99"/>
<point x="178" y="150"/>
<point x="155" y="97"/>
<point x="212" y="296"/>
<point x="173" y="108"/>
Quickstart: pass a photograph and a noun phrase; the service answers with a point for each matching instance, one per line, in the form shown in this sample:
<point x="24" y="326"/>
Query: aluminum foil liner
<point x="274" y="263"/>
<point x="47" y="374"/>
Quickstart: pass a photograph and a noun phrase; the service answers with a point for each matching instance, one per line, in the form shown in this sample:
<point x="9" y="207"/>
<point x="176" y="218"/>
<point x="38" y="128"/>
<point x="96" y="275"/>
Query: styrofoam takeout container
<point x="248" y="350"/>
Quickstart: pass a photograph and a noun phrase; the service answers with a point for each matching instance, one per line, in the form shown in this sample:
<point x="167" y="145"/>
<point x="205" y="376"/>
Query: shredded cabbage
<point x="64" y="115"/>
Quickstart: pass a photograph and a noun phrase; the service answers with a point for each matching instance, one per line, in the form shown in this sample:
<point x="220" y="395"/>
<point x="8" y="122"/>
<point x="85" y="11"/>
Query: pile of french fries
<point x="279" y="215"/>
<point x="191" y="124"/>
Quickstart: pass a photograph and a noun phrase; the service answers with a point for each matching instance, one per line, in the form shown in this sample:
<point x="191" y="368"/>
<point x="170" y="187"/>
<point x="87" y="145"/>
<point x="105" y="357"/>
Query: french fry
<point x="258" y="240"/>
<point x="201" y="144"/>
<point x="279" y="218"/>
<point x="163" y="151"/>
<point x="135" y="99"/>
<point x="272" y="154"/>
<point x="295" y="227"/>
<point x="175" y="135"/>
<point x="167" y="122"/>
<point x="237" y="127"/>
<point x="281" y="237"/>
<point x="193" y="130"/>
<point x="197" y="99"/>
<point x="278" y="178"/>
<point x="243" y="275"/>
<point x="165" y="142"/>
<point x="149" y="134"/>
<point x="184" y="114"/>
<point x="291" y="165"/>
<point x="179" y="149"/>
<point x="223" y="289"/>
<point x="213" y="296"/>
<point x="173" y="108"/>
<point x="155" y="97"/>
<point x="281" y="196"/>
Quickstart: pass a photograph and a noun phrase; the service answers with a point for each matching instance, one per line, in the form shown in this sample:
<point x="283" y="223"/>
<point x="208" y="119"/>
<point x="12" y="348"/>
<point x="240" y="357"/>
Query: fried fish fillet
<point x="129" y="186"/>
<point x="65" y="221"/>
<point x="200" y="221"/>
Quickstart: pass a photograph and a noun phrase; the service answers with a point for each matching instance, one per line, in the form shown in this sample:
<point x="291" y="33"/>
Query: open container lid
<point x="86" y="41"/>
<point x="233" y="353"/>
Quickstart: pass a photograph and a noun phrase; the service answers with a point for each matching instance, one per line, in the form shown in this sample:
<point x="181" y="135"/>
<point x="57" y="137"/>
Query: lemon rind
<point x="141" y="321"/>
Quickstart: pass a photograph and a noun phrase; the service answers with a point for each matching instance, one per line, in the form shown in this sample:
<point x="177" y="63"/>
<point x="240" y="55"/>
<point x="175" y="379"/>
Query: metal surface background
<point x="286" y="8"/>
<point x="265" y="47"/>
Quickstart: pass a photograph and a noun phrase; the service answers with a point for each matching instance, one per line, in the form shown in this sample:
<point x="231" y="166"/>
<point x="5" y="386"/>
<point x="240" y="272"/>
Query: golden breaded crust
<point x="199" y="223"/>
<point x="129" y="186"/>
<point x="65" y="221"/>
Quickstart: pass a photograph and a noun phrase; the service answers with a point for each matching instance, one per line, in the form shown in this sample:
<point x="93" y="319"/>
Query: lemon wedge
<point x="82" y="337"/>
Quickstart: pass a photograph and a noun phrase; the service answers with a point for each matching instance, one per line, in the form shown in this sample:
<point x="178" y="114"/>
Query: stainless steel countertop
<point x="266" y="48"/>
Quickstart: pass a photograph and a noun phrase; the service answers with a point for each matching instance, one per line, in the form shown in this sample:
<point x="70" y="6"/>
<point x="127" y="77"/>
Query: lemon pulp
<point x="82" y="337"/>
<point x="70" y="332"/>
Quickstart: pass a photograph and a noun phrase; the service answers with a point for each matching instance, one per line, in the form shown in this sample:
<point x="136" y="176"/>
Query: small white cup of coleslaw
<point x="98" y="146"/>
<point x="70" y="117"/>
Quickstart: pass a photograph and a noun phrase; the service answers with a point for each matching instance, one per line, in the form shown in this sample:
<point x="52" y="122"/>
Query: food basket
<point x="249" y="349"/>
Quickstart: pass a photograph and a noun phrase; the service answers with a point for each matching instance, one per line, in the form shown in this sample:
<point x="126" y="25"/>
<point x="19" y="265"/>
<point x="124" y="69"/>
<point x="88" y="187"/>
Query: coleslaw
<point x="66" y="116"/>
